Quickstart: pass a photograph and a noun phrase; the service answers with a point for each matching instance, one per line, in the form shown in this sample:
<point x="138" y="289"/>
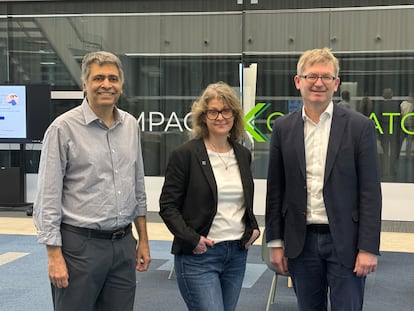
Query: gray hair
<point x="100" y="58"/>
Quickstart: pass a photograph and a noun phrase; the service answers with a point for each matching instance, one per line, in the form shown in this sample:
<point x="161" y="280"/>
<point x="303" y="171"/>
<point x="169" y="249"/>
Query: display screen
<point x="13" y="112"/>
<point x="24" y="112"/>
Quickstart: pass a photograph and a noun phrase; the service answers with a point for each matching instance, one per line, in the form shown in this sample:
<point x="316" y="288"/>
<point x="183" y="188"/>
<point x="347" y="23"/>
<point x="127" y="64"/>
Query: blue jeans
<point x="318" y="268"/>
<point x="212" y="281"/>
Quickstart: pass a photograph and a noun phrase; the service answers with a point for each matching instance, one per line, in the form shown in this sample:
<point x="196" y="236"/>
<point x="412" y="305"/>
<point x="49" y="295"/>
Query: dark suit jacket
<point x="352" y="189"/>
<point x="188" y="201"/>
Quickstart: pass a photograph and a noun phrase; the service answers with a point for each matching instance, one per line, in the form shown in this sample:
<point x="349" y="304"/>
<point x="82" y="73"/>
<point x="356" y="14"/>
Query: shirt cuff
<point x="141" y="211"/>
<point x="275" y="243"/>
<point x="49" y="238"/>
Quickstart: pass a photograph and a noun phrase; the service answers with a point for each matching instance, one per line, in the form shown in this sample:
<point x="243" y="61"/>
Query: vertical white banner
<point x="248" y="79"/>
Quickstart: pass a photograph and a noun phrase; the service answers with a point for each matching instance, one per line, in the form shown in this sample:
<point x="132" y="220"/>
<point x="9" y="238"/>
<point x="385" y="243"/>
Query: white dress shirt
<point x="316" y="146"/>
<point x="316" y="139"/>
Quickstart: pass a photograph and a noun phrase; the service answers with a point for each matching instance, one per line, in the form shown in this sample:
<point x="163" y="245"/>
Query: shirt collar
<point x="90" y="115"/>
<point x="325" y="115"/>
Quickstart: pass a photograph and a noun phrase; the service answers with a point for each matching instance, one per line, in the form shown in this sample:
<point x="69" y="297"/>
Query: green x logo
<point x="249" y="119"/>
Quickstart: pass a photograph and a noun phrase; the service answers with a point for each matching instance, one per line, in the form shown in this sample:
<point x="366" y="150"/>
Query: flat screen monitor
<point x="24" y="112"/>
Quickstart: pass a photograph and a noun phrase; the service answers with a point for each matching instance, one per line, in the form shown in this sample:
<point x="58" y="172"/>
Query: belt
<point x="99" y="234"/>
<point x="318" y="228"/>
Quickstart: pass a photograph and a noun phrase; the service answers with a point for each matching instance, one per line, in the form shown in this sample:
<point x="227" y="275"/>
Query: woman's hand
<point x="201" y="247"/>
<point x="253" y="237"/>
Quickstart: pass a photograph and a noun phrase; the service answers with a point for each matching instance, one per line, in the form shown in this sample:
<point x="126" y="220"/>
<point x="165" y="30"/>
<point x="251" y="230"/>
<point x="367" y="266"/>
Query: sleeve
<point x="172" y="199"/>
<point x="370" y="199"/>
<point x="140" y="193"/>
<point x="275" y="190"/>
<point x="47" y="208"/>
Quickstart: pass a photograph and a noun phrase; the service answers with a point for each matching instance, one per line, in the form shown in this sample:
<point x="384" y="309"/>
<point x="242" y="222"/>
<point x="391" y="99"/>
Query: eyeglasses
<point x="312" y="78"/>
<point x="213" y="114"/>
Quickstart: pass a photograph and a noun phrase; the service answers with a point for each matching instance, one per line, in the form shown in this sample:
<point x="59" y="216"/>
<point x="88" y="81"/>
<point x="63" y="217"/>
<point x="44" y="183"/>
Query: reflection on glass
<point x="166" y="71"/>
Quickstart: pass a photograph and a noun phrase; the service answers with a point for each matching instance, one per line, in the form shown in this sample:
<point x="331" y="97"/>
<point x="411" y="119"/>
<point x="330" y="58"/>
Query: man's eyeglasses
<point x="313" y="78"/>
<point x="213" y="114"/>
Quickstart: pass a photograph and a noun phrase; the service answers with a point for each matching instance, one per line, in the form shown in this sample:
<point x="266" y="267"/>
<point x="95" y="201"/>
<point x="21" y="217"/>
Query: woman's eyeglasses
<point x="213" y="114"/>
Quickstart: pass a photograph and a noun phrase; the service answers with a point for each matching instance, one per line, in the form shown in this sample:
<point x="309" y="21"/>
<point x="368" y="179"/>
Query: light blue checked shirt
<point x="90" y="175"/>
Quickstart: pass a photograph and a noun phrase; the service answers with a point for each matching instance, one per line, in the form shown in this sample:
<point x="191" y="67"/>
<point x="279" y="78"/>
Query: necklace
<point x="226" y="163"/>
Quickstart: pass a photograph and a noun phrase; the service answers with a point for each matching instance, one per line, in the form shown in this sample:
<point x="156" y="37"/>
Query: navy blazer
<point x="351" y="190"/>
<point x="188" y="201"/>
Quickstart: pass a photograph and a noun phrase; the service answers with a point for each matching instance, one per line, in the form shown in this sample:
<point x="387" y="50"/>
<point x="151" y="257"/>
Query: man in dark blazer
<point x="323" y="206"/>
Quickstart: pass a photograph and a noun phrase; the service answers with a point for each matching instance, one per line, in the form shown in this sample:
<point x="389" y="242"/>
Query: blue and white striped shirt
<point x="90" y="175"/>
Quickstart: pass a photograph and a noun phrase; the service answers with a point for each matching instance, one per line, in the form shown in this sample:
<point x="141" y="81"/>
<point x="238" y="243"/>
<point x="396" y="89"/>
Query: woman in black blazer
<point x="207" y="203"/>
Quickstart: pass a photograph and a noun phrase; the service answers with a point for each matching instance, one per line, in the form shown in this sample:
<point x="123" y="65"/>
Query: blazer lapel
<point x="299" y="140"/>
<point x="335" y="140"/>
<point x="244" y="167"/>
<point x="204" y="162"/>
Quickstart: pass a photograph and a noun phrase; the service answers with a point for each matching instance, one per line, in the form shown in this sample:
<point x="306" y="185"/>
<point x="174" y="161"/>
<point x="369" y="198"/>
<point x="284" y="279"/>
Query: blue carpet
<point x="24" y="283"/>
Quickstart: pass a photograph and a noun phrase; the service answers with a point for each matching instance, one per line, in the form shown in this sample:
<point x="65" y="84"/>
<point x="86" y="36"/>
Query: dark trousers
<point x="318" y="268"/>
<point x="101" y="274"/>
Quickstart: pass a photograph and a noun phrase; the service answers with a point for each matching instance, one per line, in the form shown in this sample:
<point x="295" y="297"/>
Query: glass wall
<point x="171" y="50"/>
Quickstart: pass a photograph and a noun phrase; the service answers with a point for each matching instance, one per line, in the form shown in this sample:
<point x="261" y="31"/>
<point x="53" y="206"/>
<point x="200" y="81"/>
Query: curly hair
<point x="221" y="91"/>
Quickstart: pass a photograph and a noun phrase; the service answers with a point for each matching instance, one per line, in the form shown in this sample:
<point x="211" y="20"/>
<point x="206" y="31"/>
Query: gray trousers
<point x="102" y="274"/>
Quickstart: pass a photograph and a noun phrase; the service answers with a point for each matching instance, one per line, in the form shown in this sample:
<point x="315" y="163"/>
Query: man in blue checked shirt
<point x="90" y="190"/>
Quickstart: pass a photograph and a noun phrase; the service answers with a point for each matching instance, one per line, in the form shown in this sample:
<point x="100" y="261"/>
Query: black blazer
<point x="351" y="191"/>
<point x="188" y="201"/>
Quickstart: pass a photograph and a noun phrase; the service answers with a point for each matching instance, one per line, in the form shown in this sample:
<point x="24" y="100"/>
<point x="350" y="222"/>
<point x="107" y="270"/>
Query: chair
<point x="265" y="258"/>
<point x="171" y="274"/>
